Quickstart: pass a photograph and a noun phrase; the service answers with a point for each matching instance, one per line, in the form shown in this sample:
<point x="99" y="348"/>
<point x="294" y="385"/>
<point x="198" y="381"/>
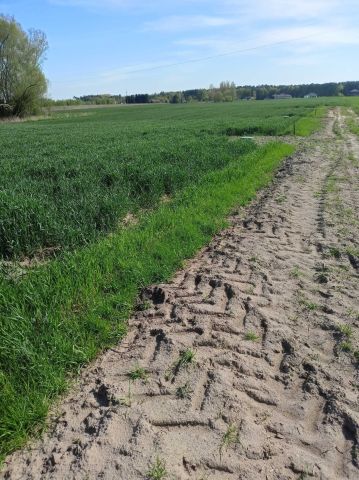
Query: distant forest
<point x="226" y="92"/>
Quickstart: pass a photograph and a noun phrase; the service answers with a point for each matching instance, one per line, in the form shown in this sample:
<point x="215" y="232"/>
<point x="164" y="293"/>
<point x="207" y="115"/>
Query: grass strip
<point x="59" y="316"/>
<point x="353" y="125"/>
<point x="305" y="126"/>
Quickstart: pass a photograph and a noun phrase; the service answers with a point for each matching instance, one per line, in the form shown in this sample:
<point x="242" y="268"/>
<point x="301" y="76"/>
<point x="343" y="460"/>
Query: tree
<point x="176" y="98"/>
<point x="22" y="82"/>
<point x="228" y="91"/>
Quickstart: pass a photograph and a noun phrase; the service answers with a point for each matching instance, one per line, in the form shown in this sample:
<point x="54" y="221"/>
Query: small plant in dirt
<point x="311" y="305"/>
<point x="296" y="272"/>
<point x="138" y="373"/>
<point x="306" y="304"/>
<point x="186" y="358"/>
<point x="230" y="437"/>
<point x="184" y="391"/>
<point x="346" y="330"/>
<point x="281" y="199"/>
<point x="346" y="346"/>
<point x="251" y="336"/>
<point x="354" y="252"/>
<point x="334" y="252"/>
<point x="157" y="470"/>
<point x="343" y="268"/>
<point x="353" y="313"/>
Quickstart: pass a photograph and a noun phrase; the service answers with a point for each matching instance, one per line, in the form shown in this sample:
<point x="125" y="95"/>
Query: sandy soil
<point x="272" y="389"/>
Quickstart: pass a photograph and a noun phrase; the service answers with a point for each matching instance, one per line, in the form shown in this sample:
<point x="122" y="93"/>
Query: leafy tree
<point x="22" y="82"/>
<point x="218" y="96"/>
<point x="176" y="98"/>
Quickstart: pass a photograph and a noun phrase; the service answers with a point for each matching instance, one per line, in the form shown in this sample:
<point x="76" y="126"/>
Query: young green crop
<point x="70" y="179"/>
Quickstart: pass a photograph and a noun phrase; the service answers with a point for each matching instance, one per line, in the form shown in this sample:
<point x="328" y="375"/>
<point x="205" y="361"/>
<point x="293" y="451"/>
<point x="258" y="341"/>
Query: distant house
<point x="281" y="96"/>
<point x="311" y="95"/>
<point x="354" y="92"/>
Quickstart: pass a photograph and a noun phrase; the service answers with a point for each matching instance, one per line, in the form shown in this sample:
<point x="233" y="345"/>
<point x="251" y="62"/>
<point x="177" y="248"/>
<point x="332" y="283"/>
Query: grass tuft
<point x="138" y="373"/>
<point x="157" y="470"/>
<point x="346" y="346"/>
<point x="296" y="272"/>
<point x="185" y="358"/>
<point x="346" y="330"/>
<point x="183" y="391"/>
<point x="252" y="336"/>
<point x="230" y="437"/>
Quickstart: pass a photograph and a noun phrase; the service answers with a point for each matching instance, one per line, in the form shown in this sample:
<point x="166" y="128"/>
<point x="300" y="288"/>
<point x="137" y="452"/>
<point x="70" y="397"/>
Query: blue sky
<point x="114" y="46"/>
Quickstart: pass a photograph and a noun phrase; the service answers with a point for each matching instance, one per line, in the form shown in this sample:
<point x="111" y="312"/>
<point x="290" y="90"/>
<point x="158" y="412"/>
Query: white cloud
<point x="283" y="9"/>
<point x="117" y="74"/>
<point x="213" y="45"/>
<point x="321" y="36"/>
<point x="176" y="23"/>
<point x="131" y="70"/>
<point x="326" y="35"/>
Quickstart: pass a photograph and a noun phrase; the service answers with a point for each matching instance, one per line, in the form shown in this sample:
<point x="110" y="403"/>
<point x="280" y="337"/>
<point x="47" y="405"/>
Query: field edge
<point x="61" y="315"/>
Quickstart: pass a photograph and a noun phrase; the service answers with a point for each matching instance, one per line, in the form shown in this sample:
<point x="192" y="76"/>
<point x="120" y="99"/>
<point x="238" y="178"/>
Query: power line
<point x="203" y="59"/>
<point x="233" y="52"/>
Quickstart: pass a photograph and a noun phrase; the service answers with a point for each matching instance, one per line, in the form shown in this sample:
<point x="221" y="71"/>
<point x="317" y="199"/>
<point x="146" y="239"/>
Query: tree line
<point x="225" y="92"/>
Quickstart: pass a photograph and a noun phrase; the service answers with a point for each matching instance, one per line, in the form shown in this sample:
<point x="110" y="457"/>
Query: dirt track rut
<point x="270" y="310"/>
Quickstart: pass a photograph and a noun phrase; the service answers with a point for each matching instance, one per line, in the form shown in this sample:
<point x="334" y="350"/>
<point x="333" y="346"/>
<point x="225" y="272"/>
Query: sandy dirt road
<point x="249" y="353"/>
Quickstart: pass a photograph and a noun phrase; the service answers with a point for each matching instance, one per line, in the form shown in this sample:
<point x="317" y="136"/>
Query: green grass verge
<point x="305" y="126"/>
<point x="353" y="126"/>
<point x="59" y="316"/>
